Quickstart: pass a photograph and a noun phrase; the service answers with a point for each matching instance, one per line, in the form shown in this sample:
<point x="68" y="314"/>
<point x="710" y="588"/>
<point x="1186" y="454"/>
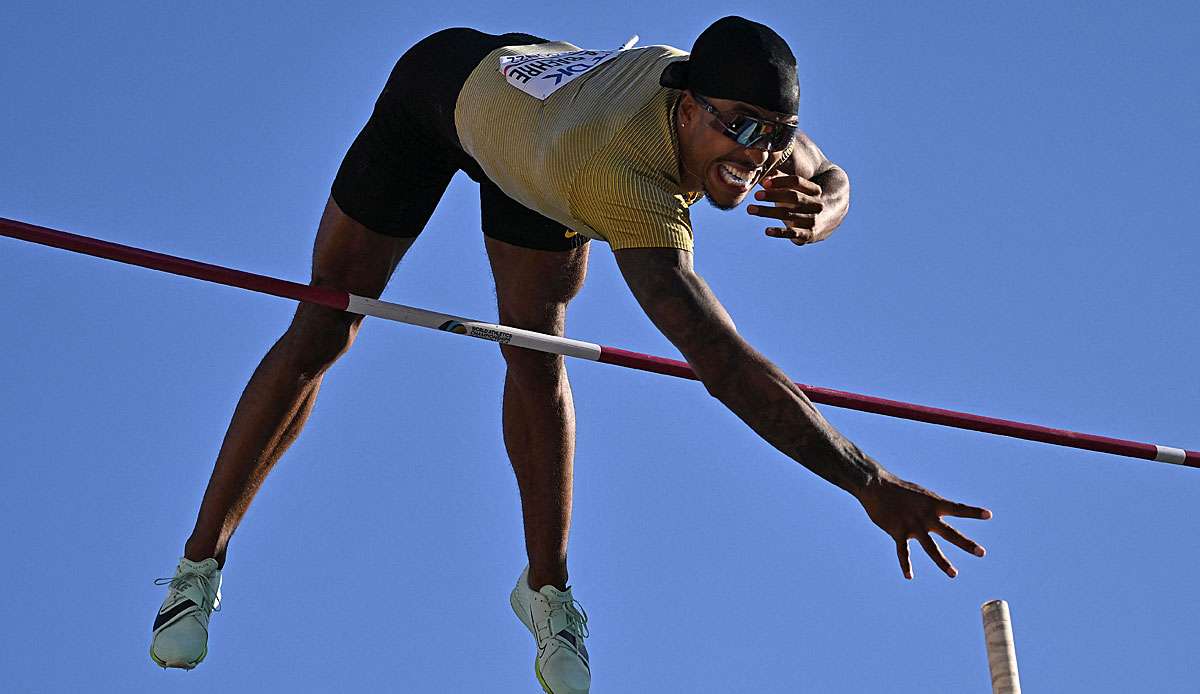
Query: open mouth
<point x="736" y="177"/>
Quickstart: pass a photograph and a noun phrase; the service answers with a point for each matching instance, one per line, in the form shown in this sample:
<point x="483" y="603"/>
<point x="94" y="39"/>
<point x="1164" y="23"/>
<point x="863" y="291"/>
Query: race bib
<point x="542" y="74"/>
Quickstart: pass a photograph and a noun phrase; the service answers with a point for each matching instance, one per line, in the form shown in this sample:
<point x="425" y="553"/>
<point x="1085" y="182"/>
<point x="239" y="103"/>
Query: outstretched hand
<point x="797" y="204"/>
<point x="905" y="511"/>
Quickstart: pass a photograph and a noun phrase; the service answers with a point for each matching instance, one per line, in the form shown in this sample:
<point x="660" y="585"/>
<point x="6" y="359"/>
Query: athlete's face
<point x="713" y="163"/>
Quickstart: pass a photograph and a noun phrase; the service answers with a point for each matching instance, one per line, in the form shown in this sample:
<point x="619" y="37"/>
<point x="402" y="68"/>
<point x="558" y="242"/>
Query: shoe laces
<point x="181" y="583"/>
<point x="576" y="617"/>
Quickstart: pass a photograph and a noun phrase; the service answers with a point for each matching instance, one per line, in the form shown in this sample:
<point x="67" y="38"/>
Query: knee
<point x="529" y="368"/>
<point x="534" y="370"/>
<point x="318" y="336"/>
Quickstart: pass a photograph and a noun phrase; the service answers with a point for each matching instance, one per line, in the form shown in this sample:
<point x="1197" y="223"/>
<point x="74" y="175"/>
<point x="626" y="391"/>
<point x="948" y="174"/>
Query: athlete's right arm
<point x="683" y="307"/>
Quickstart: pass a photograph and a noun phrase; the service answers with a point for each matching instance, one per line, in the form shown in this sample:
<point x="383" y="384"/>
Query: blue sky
<point x="1021" y="244"/>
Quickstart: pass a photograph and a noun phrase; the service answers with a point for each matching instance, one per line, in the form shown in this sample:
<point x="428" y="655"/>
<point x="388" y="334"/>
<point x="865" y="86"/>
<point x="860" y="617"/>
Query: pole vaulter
<point x="344" y="301"/>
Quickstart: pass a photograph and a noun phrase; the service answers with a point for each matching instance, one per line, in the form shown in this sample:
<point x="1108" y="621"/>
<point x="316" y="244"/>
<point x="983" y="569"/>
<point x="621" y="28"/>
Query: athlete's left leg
<point x="533" y="288"/>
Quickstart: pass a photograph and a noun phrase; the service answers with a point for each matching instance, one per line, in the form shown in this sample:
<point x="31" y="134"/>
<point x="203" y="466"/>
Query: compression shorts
<point x="398" y="167"/>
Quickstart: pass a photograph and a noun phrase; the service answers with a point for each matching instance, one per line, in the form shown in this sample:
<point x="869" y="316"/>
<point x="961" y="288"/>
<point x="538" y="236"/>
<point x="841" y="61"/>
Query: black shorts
<point x="400" y="164"/>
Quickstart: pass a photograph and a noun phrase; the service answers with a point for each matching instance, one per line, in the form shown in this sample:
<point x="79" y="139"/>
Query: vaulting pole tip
<point x="1001" y="651"/>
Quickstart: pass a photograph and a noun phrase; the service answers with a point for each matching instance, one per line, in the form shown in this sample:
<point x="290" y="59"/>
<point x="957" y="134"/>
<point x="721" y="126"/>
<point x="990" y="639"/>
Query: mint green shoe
<point x="181" y="627"/>
<point x="559" y="625"/>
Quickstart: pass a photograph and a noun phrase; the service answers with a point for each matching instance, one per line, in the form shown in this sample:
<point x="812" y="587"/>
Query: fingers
<point x="794" y="182"/>
<point x="905" y="510"/>
<point x="951" y="508"/>
<point x="791" y="198"/>
<point x="902" y="555"/>
<point x="959" y="540"/>
<point x="935" y="553"/>
<point x="787" y="214"/>
<point x="797" y="236"/>
<point x="795" y="208"/>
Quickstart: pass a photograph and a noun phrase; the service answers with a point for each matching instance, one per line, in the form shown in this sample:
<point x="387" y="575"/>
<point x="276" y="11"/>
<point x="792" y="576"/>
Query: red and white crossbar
<point x="344" y="301"/>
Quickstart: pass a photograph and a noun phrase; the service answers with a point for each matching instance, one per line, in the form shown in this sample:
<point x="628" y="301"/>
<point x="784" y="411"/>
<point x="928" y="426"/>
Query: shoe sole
<point x="537" y="670"/>
<point x="182" y="666"/>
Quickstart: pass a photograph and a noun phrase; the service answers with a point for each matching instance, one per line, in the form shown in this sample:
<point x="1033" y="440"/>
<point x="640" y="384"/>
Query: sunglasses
<point x="748" y="131"/>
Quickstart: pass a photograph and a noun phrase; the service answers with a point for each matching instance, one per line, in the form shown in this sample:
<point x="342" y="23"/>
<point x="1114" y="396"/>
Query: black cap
<point x="738" y="59"/>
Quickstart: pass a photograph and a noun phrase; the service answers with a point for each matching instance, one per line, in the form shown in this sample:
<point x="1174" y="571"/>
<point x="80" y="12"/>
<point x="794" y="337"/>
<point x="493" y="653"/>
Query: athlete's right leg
<point x="268" y="418"/>
<point x="388" y="185"/>
<point x="280" y="395"/>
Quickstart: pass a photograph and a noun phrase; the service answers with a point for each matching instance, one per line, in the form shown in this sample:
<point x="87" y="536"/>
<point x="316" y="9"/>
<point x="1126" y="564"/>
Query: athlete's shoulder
<point x="655" y="52"/>
<point x="537" y="49"/>
<point x="665" y="50"/>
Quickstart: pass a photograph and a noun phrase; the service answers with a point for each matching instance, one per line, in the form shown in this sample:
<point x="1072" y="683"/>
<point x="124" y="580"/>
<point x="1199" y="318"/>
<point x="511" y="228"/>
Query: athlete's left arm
<point x="811" y="195"/>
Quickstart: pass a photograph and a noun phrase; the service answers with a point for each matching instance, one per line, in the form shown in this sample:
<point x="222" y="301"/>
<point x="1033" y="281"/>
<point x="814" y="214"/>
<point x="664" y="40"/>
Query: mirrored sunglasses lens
<point x="752" y="132"/>
<point x="747" y="132"/>
<point x="783" y="137"/>
<point x="742" y="129"/>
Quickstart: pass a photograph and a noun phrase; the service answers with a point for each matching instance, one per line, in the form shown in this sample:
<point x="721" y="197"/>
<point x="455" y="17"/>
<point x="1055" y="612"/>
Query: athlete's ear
<point x="688" y="110"/>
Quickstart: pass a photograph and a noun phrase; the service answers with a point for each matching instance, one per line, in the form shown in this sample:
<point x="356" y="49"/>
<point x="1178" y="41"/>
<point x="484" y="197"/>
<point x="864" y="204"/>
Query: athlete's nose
<point x="757" y="156"/>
